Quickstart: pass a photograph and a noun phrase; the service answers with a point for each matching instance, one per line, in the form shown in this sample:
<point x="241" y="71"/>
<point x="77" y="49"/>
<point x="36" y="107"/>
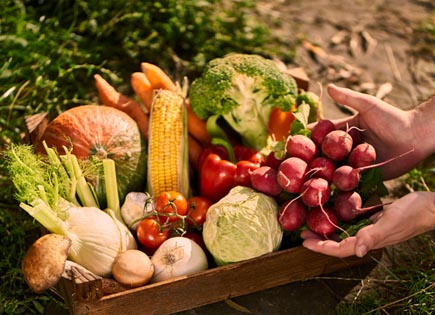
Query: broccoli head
<point x="243" y="89"/>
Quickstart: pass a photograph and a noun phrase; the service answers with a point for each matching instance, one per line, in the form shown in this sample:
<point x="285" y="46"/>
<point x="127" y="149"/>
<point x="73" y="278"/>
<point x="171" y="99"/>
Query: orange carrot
<point x="143" y="88"/>
<point x="197" y="126"/>
<point x="157" y="77"/>
<point x="195" y="149"/>
<point x="110" y="97"/>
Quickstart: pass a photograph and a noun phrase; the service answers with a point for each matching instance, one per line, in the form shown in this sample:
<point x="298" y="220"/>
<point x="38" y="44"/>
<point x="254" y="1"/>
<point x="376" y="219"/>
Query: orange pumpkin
<point x="102" y="132"/>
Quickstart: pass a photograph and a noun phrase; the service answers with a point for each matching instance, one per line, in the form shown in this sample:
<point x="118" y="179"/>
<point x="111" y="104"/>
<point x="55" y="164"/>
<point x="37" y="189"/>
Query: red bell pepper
<point x="222" y="169"/>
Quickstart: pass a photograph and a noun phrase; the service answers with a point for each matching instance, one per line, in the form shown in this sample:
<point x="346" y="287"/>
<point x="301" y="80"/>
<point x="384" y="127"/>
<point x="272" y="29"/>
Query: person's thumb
<point x="365" y="240"/>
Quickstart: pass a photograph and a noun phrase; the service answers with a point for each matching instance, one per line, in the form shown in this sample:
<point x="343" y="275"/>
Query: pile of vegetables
<point x="183" y="178"/>
<point x="327" y="176"/>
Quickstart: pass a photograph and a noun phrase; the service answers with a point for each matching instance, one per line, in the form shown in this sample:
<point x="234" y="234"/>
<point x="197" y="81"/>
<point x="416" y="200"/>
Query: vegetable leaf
<point x="371" y="183"/>
<point x="300" y="124"/>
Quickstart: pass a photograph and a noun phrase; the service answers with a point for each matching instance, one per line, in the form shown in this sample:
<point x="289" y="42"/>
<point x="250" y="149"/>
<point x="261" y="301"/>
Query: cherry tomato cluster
<point x="173" y="214"/>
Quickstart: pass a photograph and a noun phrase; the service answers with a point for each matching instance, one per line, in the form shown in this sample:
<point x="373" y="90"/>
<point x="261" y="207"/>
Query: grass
<point x="52" y="49"/>
<point x="403" y="286"/>
<point x="424" y="39"/>
<point x="404" y="280"/>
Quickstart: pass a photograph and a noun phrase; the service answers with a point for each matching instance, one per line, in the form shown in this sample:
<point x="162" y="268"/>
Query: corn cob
<point x="168" y="161"/>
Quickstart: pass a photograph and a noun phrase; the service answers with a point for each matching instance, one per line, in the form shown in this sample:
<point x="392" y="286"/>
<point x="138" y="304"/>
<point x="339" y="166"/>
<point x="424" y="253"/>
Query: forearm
<point x="423" y="126"/>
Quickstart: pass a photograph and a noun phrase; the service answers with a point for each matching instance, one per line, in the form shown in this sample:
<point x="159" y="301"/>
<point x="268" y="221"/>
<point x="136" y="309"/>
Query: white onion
<point x="177" y="256"/>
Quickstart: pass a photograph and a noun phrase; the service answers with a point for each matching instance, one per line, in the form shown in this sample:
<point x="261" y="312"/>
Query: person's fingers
<point x="343" y="123"/>
<point x="345" y="248"/>
<point x="367" y="238"/>
<point x="308" y="234"/>
<point x="358" y="101"/>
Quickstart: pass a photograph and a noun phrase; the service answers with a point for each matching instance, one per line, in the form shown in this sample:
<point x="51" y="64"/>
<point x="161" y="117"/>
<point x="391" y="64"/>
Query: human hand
<point x="401" y="220"/>
<point x="386" y="127"/>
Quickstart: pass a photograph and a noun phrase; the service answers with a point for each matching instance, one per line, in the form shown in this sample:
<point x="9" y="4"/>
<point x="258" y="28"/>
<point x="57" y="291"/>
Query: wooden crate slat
<point x="220" y="283"/>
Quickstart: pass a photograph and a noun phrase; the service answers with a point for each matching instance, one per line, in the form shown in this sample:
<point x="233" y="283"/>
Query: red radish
<point x="291" y="174"/>
<point x="292" y="215"/>
<point x="322" y="221"/>
<point x="315" y="192"/>
<point x="272" y="160"/>
<point x="302" y="147"/>
<point x="348" y="206"/>
<point x="263" y="179"/>
<point x="320" y="130"/>
<point x="322" y="167"/>
<point x="347" y="178"/>
<point x="356" y="135"/>
<point x="363" y="154"/>
<point x="346" y="203"/>
<point x="337" y="145"/>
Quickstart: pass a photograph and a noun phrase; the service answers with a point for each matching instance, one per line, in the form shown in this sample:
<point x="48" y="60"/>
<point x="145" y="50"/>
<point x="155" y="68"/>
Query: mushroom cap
<point x="44" y="262"/>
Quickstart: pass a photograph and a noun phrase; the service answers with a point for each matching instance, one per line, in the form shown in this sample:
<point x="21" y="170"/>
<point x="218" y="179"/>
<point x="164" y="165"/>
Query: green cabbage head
<point x="242" y="225"/>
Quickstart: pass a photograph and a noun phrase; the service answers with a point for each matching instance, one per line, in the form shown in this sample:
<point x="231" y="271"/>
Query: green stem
<point x="227" y="145"/>
<point x="83" y="191"/>
<point x="213" y="128"/>
<point x="42" y="213"/>
<point x="72" y="183"/>
<point x="219" y="137"/>
<point x="111" y="186"/>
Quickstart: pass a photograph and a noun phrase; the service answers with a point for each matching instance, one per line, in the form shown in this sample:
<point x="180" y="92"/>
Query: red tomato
<point x="169" y="204"/>
<point x="151" y="234"/>
<point x="198" y="207"/>
<point x="243" y="173"/>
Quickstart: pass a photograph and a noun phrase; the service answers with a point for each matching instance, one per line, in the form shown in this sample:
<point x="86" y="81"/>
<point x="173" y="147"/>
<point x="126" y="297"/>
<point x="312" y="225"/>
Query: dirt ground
<point x="372" y="46"/>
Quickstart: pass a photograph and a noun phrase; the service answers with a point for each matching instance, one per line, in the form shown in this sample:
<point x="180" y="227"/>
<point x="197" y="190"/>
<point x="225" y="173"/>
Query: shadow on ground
<point x="319" y="296"/>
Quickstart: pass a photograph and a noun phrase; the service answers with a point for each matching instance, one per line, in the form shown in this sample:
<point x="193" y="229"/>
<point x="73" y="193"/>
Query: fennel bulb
<point x="97" y="237"/>
<point x="47" y="188"/>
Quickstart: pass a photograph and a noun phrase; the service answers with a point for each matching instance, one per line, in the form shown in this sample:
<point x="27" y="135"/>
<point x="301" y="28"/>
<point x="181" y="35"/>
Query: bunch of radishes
<point x="320" y="174"/>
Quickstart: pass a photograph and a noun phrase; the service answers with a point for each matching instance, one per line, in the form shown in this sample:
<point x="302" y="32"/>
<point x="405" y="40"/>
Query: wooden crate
<point x="87" y="294"/>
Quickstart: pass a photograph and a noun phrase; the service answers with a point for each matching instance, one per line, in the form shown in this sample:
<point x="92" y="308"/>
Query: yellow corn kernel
<point x="167" y="145"/>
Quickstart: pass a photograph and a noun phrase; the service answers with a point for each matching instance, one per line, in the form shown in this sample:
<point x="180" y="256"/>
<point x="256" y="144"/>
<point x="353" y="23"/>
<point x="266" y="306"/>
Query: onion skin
<point x="177" y="256"/>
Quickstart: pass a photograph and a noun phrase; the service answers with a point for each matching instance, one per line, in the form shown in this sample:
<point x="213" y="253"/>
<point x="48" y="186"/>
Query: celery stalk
<point x="111" y="186"/>
<point x="85" y="194"/>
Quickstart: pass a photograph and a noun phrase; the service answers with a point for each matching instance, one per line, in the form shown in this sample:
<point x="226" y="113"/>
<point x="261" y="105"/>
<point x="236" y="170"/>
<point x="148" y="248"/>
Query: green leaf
<point x="371" y="183"/>
<point x="299" y="125"/>
<point x="352" y="229"/>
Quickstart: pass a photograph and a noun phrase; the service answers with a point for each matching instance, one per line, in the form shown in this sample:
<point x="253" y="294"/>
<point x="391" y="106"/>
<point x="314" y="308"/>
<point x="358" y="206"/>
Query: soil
<point x="372" y="46"/>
